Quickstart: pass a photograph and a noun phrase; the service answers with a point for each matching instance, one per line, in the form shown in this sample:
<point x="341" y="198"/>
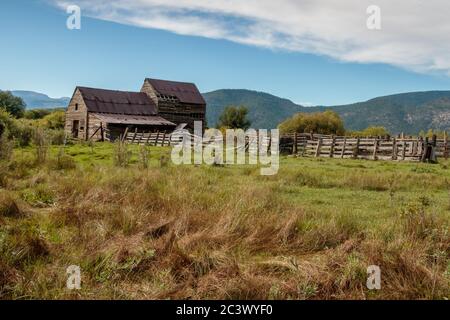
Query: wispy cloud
<point x="415" y="33"/>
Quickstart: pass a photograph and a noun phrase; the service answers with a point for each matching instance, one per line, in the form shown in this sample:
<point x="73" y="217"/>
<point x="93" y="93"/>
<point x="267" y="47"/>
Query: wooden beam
<point x="294" y="148"/>
<point x="157" y="138"/>
<point x="394" y="149"/>
<point x="344" y="145"/>
<point x="375" y="149"/>
<point x="333" y="141"/>
<point x="134" y="136"/>
<point x="319" y="146"/>
<point x="445" y="145"/>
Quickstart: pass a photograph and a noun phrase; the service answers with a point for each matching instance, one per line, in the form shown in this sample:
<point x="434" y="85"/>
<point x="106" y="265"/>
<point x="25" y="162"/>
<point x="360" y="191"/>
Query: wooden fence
<point x="376" y="148"/>
<point x="316" y="145"/>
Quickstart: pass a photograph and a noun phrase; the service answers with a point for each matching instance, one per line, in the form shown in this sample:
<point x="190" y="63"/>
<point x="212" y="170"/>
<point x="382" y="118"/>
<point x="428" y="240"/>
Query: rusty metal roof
<point x="184" y="91"/>
<point x="117" y="102"/>
<point x="133" y="119"/>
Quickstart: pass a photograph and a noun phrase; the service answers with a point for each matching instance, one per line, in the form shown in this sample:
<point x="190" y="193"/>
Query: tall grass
<point x="224" y="232"/>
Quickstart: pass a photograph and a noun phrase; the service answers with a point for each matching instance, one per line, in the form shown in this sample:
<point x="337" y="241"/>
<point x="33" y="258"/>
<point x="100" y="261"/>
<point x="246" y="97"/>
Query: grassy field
<point x="221" y="232"/>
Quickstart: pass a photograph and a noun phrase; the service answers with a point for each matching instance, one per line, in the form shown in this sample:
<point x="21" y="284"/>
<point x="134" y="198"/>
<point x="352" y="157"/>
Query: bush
<point x="122" y="155"/>
<point x="8" y="206"/>
<point x="327" y="122"/>
<point x="23" y="133"/>
<point x="57" y="137"/>
<point x="40" y="141"/>
<point x="54" y="120"/>
<point x="144" y="156"/>
<point x="6" y="148"/>
<point x="36" y="114"/>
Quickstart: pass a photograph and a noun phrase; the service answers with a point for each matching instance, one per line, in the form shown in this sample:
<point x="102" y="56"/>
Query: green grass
<point x="308" y="232"/>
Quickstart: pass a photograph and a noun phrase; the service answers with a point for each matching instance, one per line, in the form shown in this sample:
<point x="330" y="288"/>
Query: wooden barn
<point x="161" y="105"/>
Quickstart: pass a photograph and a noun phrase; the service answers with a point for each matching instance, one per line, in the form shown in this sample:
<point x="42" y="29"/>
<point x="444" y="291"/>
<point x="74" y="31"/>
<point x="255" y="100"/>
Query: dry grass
<point x="225" y="232"/>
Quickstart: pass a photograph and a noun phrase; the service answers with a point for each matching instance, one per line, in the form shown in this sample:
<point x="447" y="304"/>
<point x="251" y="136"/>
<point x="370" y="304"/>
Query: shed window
<point x="76" y="106"/>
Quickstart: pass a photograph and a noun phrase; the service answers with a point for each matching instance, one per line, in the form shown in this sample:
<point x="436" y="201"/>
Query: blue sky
<point x="39" y="53"/>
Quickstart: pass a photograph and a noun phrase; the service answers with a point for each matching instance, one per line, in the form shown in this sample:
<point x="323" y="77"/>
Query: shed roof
<point x="185" y="92"/>
<point x="117" y="102"/>
<point x="133" y="119"/>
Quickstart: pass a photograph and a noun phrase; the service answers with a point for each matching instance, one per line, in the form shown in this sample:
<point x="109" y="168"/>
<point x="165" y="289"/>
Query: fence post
<point x="445" y="145"/>
<point x="333" y="141"/>
<point x="294" y="149"/>
<point x="356" y="149"/>
<point x="134" y="136"/>
<point x="394" y="149"/>
<point x="375" y="149"/>
<point x="404" y="150"/>
<point x="343" y="147"/>
<point x="164" y="139"/>
<point x="319" y="145"/>
<point x="157" y="138"/>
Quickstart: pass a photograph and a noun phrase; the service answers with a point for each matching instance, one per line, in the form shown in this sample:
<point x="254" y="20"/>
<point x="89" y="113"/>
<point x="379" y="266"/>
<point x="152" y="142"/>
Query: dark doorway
<point x="75" y="128"/>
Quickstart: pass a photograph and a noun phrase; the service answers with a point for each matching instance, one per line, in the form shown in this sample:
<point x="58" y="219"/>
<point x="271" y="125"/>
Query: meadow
<point x="143" y="228"/>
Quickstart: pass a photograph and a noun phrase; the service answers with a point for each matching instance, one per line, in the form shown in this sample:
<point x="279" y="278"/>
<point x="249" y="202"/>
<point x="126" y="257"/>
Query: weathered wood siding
<point x="175" y="111"/>
<point x="81" y="114"/>
<point x="93" y="127"/>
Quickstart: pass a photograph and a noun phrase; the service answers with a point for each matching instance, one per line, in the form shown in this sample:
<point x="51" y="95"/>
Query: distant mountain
<point x="35" y="100"/>
<point x="407" y="112"/>
<point x="265" y="110"/>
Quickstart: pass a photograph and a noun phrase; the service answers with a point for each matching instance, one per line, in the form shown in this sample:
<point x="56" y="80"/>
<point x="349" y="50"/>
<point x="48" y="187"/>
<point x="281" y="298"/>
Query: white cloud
<point x="415" y="33"/>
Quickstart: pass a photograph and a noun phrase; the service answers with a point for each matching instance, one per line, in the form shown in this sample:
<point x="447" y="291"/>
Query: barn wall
<point x="175" y="111"/>
<point x="93" y="124"/>
<point x="80" y="115"/>
<point x="150" y="91"/>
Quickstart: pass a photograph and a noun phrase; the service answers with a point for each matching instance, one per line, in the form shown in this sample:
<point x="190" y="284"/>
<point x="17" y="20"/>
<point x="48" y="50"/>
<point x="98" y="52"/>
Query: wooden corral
<point x="326" y="146"/>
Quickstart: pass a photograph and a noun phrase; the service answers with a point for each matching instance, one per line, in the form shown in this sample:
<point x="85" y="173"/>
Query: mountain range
<point x="406" y="112"/>
<point x="35" y="100"/>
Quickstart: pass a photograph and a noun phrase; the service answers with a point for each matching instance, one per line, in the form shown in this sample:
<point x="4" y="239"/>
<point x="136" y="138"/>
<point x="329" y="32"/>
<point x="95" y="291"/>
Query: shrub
<point x="144" y="156"/>
<point x="36" y="114"/>
<point x="122" y="155"/>
<point x="57" y="137"/>
<point x="54" y="120"/>
<point x="40" y="141"/>
<point x="328" y="122"/>
<point x="8" y="206"/>
<point x="23" y="133"/>
<point x="6" y="148"/>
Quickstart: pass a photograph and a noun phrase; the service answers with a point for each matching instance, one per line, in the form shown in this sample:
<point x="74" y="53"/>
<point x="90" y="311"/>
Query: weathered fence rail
<point x="327" y="146"/>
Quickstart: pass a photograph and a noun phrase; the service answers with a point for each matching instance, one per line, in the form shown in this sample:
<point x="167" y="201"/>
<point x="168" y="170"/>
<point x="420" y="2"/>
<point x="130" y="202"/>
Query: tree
<point x="234" y="118"/>
<point x="14" y="105"/>
<point x="328" y="122"/>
